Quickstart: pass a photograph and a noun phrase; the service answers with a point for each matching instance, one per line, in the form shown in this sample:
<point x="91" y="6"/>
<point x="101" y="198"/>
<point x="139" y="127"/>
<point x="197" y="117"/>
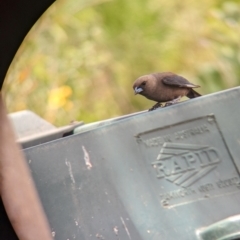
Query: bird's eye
<point x="144" y="83"/>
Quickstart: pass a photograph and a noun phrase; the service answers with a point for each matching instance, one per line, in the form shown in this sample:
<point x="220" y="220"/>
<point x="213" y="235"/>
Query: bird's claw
<point x="154" y="107"/>
<point x="168" y="104"/>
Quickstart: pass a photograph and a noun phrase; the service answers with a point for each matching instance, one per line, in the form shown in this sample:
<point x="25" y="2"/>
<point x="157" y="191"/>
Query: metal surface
<point x="157" y="175"/>
<point x="91" y="126"/>
<point x="227" y="229"/>
<point x="44" y="137"/>
<point x="27" y="123"/>
<point x="32" y="130"/>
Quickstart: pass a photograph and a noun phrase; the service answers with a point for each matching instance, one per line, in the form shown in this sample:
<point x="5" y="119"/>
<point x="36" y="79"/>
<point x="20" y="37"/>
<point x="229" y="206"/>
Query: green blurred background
<point x="80" y="59"/>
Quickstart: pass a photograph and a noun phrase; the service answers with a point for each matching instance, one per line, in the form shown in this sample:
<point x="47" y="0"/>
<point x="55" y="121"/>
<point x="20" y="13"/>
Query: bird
<point x="164" y="87"/>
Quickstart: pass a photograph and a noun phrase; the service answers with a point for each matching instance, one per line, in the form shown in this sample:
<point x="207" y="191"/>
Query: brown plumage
<point x="164" y="87"/>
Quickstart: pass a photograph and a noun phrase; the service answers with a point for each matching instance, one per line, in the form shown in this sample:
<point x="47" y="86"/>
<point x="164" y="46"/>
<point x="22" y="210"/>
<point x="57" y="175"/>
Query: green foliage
<point x="80" y="59"/>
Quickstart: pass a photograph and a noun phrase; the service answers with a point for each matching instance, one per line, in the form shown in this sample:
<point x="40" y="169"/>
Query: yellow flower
<point x="58" y="97"/>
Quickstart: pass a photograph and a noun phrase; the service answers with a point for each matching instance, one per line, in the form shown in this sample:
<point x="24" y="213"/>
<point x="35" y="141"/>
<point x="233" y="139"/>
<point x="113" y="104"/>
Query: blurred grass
<point x="80" y="59"/>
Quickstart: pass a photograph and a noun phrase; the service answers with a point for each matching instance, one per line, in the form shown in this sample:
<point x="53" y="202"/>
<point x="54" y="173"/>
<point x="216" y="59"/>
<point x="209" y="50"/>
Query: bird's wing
<point x="178" y="81"/>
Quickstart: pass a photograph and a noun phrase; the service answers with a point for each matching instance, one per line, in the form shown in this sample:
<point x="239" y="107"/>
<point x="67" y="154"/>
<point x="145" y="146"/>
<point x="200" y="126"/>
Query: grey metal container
<point x="166" y="174"/>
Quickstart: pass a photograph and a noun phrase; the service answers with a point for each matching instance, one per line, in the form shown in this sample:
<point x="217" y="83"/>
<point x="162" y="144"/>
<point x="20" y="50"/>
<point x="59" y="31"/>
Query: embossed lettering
<point x="228" y="182"/>
<point x="191" y="160"/>
<point x="191" y="132"/>
<point x="176" y="168"/>
<point x="208" y="156"/>
<point x="206" y="188"/>
<point x="195" y="160"/>
<point x="180" y="193"/>
<point x="161" y="170"/>
<point x="152" y="142"/>
<point x="160" y="140"/>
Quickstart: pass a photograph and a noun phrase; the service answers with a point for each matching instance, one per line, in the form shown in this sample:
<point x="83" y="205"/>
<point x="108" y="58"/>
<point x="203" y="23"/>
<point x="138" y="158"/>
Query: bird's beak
<point x="137" y="90"/>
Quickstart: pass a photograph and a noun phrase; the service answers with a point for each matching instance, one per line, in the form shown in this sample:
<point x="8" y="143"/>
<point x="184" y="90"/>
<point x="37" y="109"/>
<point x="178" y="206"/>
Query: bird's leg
<point x="155" y="106"/>
<point x="172" y="102"/>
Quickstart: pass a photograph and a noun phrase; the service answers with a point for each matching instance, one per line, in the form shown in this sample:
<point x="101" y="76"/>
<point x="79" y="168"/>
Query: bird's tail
<point x="193" y="94"/>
